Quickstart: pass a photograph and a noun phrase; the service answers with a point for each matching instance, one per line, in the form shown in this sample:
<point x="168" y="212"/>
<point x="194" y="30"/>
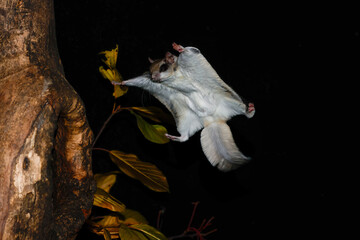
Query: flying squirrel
<point x="197" y="98"/>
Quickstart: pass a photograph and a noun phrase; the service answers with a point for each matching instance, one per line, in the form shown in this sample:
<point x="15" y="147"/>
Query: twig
<point x="159" y="219"/>
<point x="193" y="213"/>
<point x="207" y="224"/>
<point x="187" y="235"/>
<point x="114" y="111"/>
<point x="101" y="149"/>
<point x="191" y="232"/>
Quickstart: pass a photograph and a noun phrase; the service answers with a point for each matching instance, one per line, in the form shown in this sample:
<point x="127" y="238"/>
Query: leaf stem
<point x="101" y="149"/>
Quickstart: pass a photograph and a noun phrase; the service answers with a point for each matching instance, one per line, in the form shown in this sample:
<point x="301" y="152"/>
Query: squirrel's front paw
<point x="177" y="138"/>
<point x="118" y="83"/>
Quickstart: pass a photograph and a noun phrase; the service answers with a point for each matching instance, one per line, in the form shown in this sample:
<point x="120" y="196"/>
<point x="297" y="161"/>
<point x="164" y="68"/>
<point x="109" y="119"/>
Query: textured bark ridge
<point x="46" y="182"/>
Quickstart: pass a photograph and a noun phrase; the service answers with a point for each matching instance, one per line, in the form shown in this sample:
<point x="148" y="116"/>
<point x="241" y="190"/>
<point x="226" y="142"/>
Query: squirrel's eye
<point x="164" y="67"/>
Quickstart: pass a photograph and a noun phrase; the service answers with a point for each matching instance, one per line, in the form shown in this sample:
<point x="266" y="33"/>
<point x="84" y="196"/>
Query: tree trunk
<point x="46" y="182"/>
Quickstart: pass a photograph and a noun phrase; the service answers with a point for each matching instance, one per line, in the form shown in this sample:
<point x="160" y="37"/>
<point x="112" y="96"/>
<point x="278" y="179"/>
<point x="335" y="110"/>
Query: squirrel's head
<point x="162" y="69"/>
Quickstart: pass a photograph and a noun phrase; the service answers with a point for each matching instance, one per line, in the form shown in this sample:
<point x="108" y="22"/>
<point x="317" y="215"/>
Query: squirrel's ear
<point x="150" y="60"/>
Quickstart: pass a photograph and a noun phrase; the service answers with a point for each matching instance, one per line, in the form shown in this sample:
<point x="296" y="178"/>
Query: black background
<point x="284" y="58"/>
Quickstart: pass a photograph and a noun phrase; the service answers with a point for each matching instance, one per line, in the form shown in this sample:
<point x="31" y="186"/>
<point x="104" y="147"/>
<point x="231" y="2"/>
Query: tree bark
<point x="46" y="181"/>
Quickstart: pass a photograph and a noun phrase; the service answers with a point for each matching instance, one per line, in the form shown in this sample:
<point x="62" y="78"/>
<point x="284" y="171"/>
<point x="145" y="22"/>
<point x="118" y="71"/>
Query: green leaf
<point x="111" y="57"/>
<point x="145" y="172"/>
<point x="119" y="90"/>
<point x="107" y="225"/>
<point x="154" y="113"/>
<point x="106" y="200"/>
<point x="112" y="74"/>
<point x="150" y="232"/>
<point x="133" y="217"/>
<point x="127" y="233"/>
<point x="107" y="73"/>
<point x="153" y="133"/>
<point x="105" y="180"/>
<point x="107" y="235"/>
<point x="110" y="221"/>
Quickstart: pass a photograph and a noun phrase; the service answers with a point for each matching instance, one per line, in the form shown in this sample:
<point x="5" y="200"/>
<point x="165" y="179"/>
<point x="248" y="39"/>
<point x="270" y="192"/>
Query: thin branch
<point x="159" y="218"/>
<point x="192" y="232"/>
<point x="207" y="224"/>
<point x="114" y="111"/>
<point x="193" y="213"/>
<point x="208" y="233"/>
<point x="187" y="235"/>
<point x="101" y="149"/>
<point x="202" y="225"/>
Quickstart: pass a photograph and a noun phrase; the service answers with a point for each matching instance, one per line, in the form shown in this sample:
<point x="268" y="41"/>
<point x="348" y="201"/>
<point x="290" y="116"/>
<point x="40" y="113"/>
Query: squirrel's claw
<point x="178" y="47"/>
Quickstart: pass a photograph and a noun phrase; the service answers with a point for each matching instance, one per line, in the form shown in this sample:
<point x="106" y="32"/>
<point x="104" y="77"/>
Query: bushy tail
<point x="219" y="147"/>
